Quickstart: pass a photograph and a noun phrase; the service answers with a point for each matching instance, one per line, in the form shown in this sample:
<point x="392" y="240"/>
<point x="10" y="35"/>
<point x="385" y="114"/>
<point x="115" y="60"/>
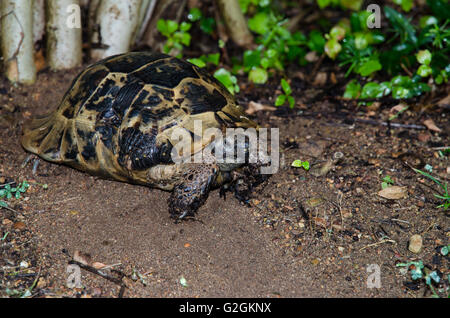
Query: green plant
<point x="277" y="46"/>
<point x="177" y="36"/>
<point x="8" y="191"/>
<point x="387" y="182"/>
<point x="300" y="164"/>
<point x="206" y="24"/>
<point x="445" y="196"/>
<point x="282" y="98"/>
<point x="346" y="4"/>
<point x="405" y="4"/>
<point x="419" y="271"/>
<point x="203" y="60"/>
<point x="227" y="79"/>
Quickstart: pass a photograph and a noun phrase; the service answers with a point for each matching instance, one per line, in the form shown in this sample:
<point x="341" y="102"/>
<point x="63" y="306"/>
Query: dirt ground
<point x="305" y="234"/>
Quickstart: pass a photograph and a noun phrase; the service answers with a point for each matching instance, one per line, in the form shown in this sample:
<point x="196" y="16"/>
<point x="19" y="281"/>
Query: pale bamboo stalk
<point x="145" y="13"/>
<point x="64" y="49"/>
<point x="116" y="20"/>
<point x="17" y="40"/>
<point x="38" y="20"/>
<point x="235" y="22"/>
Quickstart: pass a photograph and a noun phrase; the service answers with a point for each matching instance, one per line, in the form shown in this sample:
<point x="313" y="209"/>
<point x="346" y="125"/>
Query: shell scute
<point x="166" y="73"/>
<point x="117" y="118"/>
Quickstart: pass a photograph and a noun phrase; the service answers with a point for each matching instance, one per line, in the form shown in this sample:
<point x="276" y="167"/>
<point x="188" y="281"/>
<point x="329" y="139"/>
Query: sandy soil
<point x="305" y="234"/>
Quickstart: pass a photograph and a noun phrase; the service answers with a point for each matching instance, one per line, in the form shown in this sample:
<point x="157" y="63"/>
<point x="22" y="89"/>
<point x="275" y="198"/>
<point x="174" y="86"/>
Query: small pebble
<point x="415" y="243"/>
<point x="24" y="264"/>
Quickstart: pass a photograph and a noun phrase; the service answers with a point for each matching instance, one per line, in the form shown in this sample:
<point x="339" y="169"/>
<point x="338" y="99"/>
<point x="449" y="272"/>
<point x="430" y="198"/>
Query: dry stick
<point x="146" y="21"/>
<point x="98" y="272"/>
<point x="441" y="148"/>
<point x="148" y="37"/>
<point x="378" y="243"/>
<point x="369" y="121"/>
<point x="292" y="23"/>
<point x="180" y="11"/>
<point x="8" y="208"/>
<point x="316" y="67"/>
<point x="384" y="123"/>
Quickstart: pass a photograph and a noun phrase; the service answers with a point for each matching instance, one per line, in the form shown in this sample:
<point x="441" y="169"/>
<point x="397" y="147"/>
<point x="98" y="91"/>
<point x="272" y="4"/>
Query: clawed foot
<point x="35" y="160"/>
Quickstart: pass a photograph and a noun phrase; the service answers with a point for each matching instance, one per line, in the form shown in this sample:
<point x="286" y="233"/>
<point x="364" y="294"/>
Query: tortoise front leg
<point x="192" y="191"/>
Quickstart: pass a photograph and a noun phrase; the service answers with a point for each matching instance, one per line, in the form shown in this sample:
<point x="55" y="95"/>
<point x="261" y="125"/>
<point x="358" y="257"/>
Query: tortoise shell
<point x="117" y="118"/>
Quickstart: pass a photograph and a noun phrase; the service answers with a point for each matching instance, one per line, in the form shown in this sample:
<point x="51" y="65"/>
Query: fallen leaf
<point x="429" y="123"/>
<point x="393" y="193"/>
<point x="39" y="60"/>
<point x="82" y="258"/>
<point x="98" y="265"/>
<point x="19" y="226"/>
<point x="254" y="107"/>
<point x="445" y="102"/>
<point x="397" y="108"/>
<point x="320" y="79"/>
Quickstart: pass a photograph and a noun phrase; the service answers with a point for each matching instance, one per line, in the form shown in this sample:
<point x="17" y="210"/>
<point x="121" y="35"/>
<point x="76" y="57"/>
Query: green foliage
<point x="401" y="26"/>
<point x="424" y="49"/>
<point x="286" y="97"/>
<point x="177" y="36"/>
<point x="363" y="61"/>
<point x="203" y="60"/>
<point x="387" y="182"/>
<point x="401" y="87"/>
<point x="245" y="4"/>
<point x="352" y="90"/>
<point x="445" y="196"/>
<point x="276" y="45"/>
<point x="405" y="4"/>
<point x="419" y="272"/>
<point x="300" y="164"/>
<point x="206" y="24"/>
<point x="8" y="191"/>
<point x="227" y="79"/>
<point x="345" y="4"/>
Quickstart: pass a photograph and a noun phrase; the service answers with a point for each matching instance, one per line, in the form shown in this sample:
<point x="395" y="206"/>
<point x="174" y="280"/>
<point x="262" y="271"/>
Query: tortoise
<point x="117" y="120"/>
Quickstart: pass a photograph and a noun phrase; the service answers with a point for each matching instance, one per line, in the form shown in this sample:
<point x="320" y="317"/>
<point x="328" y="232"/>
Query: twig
<point x="440" y="148"/>
<point x="147" y="18"/>
<point x="7" y="207"/>
<point x="98" y="272"/>
<point x="384" y="123"/>
<point x="316" y="67"/>
<point x="378" y="243"/>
